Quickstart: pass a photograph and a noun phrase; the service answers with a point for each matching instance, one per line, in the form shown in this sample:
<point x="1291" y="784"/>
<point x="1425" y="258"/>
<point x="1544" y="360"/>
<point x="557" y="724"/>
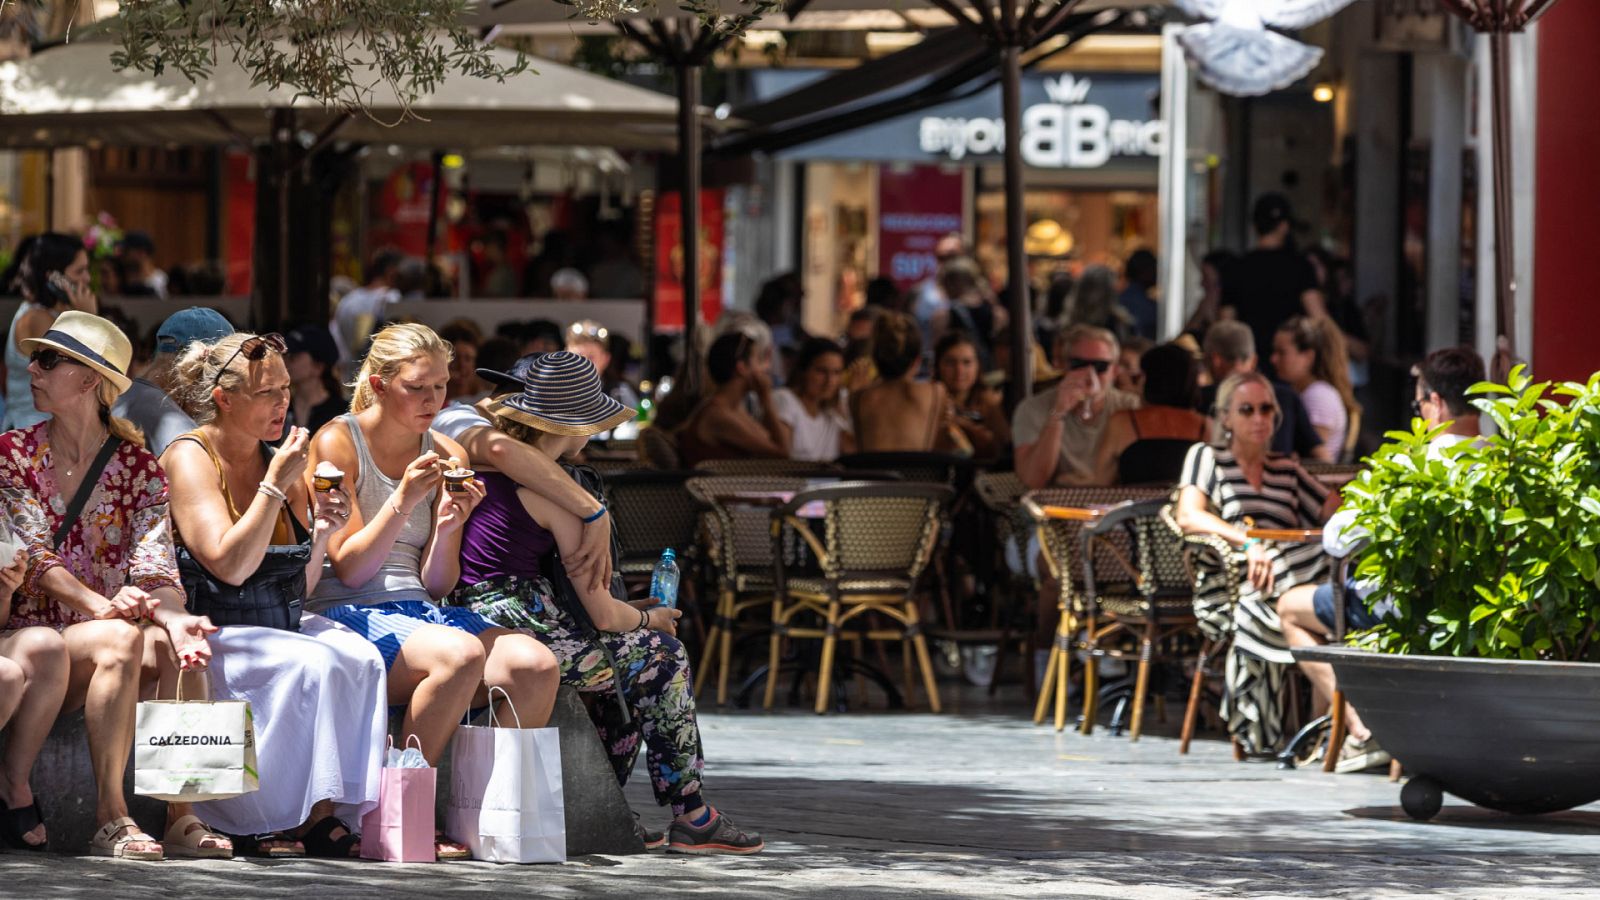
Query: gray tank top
<point x="400" y="577"/>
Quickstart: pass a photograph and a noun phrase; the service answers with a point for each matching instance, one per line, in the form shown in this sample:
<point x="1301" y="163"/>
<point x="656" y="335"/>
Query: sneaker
<point x="652" y="840"/>
<point x="719" y="835"/>
<point x="1359" y="756"/>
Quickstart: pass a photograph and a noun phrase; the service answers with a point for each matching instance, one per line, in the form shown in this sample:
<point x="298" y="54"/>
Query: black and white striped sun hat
<point x="562" y="394"/>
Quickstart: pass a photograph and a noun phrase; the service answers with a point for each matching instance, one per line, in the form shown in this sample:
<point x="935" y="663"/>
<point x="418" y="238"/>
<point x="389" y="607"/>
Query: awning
<point x="71" y="94"/>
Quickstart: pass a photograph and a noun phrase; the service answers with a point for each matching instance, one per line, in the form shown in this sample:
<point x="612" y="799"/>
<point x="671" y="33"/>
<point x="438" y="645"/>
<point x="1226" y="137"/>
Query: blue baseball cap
<point x="186" y="326"/>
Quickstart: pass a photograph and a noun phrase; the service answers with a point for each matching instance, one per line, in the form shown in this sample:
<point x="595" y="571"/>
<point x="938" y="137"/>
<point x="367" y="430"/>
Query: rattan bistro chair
<point x="1061" y="541"/>
<point x="769" y="468"/>
<point x="740" y="553"/>
<point x="877" y="541"/>
<point x="1158" y="609"/>
<point x="652" y="511"/>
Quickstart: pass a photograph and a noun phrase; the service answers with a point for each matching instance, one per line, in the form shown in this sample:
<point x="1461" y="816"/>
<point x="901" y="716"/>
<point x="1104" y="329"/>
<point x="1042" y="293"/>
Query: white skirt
<point x="319" y="699"/>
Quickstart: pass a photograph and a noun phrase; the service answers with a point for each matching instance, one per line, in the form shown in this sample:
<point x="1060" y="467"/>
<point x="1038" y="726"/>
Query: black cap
<point x="516" y="379"/>
<point x="1272" y="209"/>
<point x="315" y="340"/>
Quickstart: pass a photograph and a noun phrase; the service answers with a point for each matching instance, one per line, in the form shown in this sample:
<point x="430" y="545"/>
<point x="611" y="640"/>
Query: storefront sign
<point x="1105" y="120"/>
<point x="669" y="258"/>
<point x="917" y="205"/>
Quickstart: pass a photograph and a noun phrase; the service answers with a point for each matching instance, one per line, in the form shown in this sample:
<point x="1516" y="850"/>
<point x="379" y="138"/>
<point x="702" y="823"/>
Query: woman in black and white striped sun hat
<point x="562" y="394"/>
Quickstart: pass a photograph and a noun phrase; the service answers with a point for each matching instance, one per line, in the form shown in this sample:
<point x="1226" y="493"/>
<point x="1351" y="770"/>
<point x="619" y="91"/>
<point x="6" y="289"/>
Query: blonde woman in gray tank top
<point x="401" y="553"/>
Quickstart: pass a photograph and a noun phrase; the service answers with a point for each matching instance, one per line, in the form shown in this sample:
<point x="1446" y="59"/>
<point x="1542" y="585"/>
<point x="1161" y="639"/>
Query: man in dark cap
<point x="316" y="397"/>
<point x="1273" y="281"/>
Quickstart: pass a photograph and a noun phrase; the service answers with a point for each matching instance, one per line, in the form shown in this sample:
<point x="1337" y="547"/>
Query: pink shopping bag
<point x="401" y="829"/>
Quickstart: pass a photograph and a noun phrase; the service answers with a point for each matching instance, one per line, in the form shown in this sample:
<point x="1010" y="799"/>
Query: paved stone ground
<point x="973" y="803"/>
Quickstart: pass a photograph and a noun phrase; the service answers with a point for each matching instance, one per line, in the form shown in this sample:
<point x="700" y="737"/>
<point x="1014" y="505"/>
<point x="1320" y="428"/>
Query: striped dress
<point x="1287" y="498"/>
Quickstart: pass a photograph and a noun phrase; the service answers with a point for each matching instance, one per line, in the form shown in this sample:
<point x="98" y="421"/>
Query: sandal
<point x="14" y="823"/>
<point x="446" y="848"/>
<point x="107" y="843"/>
<point x="187" y="839"/>
<point x="251" y="845"/>
<point x="320" y="843"/>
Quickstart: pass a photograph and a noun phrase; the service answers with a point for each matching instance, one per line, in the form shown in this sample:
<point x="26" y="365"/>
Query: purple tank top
<point x="501" y="538"/>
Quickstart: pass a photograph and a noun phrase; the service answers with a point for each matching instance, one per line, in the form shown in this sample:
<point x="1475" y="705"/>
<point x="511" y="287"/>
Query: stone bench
<point x="599" y="819"/>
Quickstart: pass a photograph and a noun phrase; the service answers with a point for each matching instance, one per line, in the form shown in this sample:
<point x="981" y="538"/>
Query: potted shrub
<point x="1482" y="679"/>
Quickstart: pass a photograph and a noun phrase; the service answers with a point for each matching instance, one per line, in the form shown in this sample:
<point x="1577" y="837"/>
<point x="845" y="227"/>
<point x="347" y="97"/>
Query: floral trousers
<point x="654" y="674"/>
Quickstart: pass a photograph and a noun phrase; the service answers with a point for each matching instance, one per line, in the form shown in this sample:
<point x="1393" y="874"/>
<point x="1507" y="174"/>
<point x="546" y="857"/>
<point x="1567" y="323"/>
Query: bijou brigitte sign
<point x="1070" y="131"/>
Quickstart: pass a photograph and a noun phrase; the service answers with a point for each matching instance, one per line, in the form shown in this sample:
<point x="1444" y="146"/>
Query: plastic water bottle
<point x="664" y="580"/>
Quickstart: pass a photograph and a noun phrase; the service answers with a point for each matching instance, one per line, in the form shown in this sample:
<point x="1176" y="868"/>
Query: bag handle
<point x="409" y="739"/>
<point x="496" y="719"/>
<point x="81" y="498"/>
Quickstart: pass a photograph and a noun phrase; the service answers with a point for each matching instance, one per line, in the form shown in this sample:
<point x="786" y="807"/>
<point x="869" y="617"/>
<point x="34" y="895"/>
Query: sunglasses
<point x="1267" y="410"/>
<point x="48" y="359"/>
<point x="1101" y="366"/>
<point x="253" y="349"/>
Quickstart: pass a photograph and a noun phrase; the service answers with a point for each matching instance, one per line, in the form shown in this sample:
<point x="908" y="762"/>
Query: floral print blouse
<point x="124" y="535"/>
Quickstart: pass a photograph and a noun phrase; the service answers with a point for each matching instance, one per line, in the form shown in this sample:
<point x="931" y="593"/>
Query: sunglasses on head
<point x="253" y="349"/>
<point x="48" y="359"/>
<point x="1101" y="366"/>
<point x="1249" y="409"/>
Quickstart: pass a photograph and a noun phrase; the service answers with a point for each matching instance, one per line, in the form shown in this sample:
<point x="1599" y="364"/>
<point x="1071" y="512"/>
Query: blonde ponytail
<point x="392" y="348"/>
<point x="107" y="394"/>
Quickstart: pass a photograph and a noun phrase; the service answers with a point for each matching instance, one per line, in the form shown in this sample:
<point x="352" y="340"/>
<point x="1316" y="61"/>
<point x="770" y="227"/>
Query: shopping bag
<point x="401" y="828"/>
<point x="505" y="792"/>
<point x="187" y="751"/>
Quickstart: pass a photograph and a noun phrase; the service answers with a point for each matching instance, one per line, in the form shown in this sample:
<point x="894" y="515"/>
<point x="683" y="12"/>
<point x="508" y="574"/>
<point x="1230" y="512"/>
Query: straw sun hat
<point x="562" y="394"/>
<point x="90" y="340"/>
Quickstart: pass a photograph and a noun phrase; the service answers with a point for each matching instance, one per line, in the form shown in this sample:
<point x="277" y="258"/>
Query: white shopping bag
<point x="505" y="793"/>
<point x="194" y="750"/>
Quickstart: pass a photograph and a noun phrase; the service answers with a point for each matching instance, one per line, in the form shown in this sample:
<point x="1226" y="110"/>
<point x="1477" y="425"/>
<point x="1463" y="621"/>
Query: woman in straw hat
<point x="112" y="567"/>
<point x="401" y="552"/>
<point x="317" y="694"/>
<point x="509" y="538"/>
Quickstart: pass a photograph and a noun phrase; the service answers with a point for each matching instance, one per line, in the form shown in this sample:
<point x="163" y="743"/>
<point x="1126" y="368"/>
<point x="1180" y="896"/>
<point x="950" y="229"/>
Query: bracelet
<point x="271" y="490"/>
<point x="644" y="620"/>
<point x="1249" y="542"/>
<point x="596" y="517"/>
<point x="395" y="505"/>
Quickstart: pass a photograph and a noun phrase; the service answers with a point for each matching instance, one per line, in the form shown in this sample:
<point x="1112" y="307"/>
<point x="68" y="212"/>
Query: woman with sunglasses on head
<point x="508" y="540"/>
<point x="54" y="277"/>
<point x="1232" y="485"/>
<point x="101" y="570"/>
<point x="401" y="552"/>
<point x="317" y="692"/>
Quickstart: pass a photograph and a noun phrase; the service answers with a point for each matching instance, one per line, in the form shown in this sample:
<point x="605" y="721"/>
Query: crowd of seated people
<point x="414" y="596"/>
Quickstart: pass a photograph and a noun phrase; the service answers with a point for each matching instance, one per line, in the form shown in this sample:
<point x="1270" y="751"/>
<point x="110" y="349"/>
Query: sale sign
<point x="917" y="205"/>
<point x="670" y="258"/>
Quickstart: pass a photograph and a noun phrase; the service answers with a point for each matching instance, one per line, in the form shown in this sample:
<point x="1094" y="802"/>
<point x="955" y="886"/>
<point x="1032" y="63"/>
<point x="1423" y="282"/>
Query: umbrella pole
<point x="689" y="186"/>
<point x="1019" y="382"/>
<point x="1504" y="250"/>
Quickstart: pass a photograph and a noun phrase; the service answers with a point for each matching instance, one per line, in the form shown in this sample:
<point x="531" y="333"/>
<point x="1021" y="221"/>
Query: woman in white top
<point x="813" y="407"/>
<point x="1309" y="354"/>
<point x="318" y="694"/>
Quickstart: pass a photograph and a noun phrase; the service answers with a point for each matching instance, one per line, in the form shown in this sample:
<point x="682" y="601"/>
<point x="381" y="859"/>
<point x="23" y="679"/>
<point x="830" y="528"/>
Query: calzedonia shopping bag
<point x="192" y="750"/>
<point x="505" y="792"/>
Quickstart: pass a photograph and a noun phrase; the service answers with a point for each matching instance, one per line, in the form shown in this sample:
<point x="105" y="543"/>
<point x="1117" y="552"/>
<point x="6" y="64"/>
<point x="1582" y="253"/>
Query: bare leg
<point x="528" y="672"/>
<point x="1302" y="628"/>
<point x="104" y="680"/>
<point x="436" y="674"/>
<point x="33" y="682"/>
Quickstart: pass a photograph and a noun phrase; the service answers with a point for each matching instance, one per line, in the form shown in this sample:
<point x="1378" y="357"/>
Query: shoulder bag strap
<point x="90" y="479"/>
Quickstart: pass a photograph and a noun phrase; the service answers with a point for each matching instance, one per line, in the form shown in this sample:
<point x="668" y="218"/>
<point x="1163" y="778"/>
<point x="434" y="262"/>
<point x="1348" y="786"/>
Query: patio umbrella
<point x="1499" y="19"/>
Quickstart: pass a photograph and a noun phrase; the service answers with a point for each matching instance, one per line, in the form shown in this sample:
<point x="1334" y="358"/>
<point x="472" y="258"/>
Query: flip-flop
<point x="318" y="842"/>
<point x="251" y="845"/>
<point x="440" y="839"/>
<point x="14" y="823"/>
<point x="183" y="840"/>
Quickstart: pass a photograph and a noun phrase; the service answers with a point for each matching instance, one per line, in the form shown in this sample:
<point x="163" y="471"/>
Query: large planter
<point x="1521" y="737"/>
